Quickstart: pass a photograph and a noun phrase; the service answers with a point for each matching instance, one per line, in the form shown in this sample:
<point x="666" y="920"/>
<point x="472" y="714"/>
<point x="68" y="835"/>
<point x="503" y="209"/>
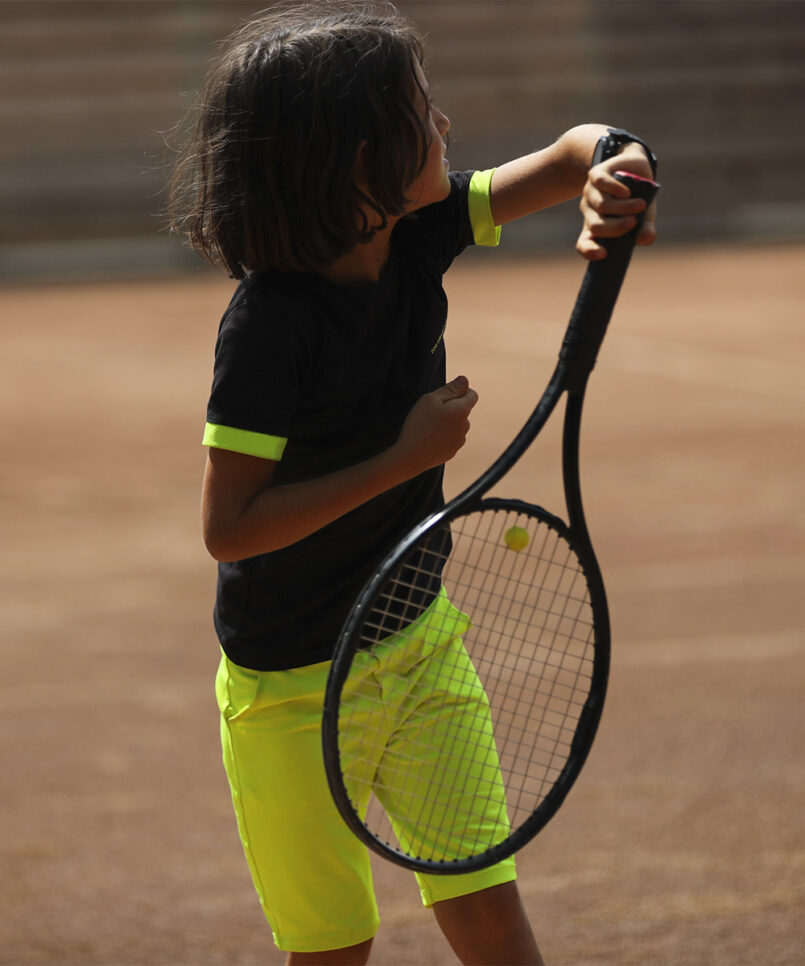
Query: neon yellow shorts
<point x="311" y="873"/>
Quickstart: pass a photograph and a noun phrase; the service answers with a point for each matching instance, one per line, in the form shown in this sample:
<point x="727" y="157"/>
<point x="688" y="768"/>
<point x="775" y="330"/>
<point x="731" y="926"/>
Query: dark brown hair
<point x="266" y="177"/>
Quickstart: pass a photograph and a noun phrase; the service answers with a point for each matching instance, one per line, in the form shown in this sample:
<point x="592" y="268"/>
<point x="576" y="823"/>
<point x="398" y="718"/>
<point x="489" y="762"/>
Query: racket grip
<point x="599" y="292"/>
<point x="638" y="187"/>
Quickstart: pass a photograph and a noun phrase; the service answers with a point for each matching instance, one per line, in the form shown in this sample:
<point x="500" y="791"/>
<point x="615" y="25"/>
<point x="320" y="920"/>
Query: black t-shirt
<point x="321" y="376"/>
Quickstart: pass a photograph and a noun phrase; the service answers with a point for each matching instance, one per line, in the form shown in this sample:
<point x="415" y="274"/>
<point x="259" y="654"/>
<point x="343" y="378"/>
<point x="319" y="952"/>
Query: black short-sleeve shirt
<point x="320" y="376"/>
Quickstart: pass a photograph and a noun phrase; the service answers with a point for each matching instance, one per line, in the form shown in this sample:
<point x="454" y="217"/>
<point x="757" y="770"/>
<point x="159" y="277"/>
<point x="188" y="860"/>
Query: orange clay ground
<point x="683" y="841"/>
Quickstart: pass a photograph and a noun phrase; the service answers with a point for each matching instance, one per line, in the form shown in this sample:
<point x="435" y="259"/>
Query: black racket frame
<point x="585" y="332"/>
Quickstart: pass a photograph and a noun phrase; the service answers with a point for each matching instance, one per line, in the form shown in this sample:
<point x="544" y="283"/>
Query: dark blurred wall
<point x="87" y="90"/>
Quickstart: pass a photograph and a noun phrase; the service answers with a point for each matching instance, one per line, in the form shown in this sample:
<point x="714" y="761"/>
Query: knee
<point x="357" y="955"/>
<point x="489" y="926"/>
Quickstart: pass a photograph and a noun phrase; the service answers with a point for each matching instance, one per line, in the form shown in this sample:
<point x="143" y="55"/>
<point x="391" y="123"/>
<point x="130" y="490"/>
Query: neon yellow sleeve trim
<point x="244" y="441"/>
<point x="484" y="230"/>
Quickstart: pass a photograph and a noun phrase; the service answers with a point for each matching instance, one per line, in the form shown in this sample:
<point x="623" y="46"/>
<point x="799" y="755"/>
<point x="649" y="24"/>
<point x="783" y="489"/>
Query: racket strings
<point x="541" y="718"/>
<point x="461" y="721"/>
<point x="406" y="585"/>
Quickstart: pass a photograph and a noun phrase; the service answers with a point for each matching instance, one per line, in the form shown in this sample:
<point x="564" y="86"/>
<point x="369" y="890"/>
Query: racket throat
<point x="571" y="479"/>
<point x="571" y="476"/>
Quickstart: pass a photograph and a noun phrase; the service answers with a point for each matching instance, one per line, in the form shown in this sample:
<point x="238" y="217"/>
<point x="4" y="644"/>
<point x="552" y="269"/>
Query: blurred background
<point x="683" y="842"/>
<point x="90" y="90"/>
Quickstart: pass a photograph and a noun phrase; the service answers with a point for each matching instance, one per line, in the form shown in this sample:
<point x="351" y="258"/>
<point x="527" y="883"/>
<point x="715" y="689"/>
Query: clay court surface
<point x="683" y="841"/>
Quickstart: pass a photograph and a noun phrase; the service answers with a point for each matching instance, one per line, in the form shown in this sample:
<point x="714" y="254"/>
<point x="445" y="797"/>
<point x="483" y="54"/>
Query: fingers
<point x="608" y="208"/>
<point x="647" y="233"/>
<point x="588" y="248"/>
<point x="436" y="427"/>
<point x="458" y="389"/>
<point x="457" y="401"/>
<point x="609" y="212"/>
<point x="606" y="192"/>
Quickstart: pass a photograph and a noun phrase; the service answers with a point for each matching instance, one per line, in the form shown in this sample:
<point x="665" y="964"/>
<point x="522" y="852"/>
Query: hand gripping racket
<point x="469" y="678"/>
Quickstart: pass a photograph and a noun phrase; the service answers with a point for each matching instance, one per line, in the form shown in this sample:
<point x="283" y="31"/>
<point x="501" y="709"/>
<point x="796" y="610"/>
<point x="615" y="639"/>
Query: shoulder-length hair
<point x="266" y="177"/>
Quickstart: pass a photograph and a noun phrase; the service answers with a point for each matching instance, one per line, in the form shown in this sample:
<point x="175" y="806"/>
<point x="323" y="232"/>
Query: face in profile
<point x="431" y="184"/>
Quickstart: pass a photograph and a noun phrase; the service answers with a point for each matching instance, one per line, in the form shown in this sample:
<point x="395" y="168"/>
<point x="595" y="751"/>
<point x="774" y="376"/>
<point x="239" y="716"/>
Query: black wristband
<point x="609" y="143"/>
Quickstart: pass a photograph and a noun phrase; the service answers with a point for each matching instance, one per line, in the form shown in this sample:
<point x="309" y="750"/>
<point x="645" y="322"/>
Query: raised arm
<point x="563" y="171"/>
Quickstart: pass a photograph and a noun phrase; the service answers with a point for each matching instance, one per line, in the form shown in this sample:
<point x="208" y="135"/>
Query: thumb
<point x="647" y="232"/>
<point x="454" y="389"/>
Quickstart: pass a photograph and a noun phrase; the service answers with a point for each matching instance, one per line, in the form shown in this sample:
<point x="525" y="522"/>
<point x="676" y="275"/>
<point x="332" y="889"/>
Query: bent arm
<point x="554" y="174"/>
<point x="244" y="515"/>
<point x="561" y="172"/>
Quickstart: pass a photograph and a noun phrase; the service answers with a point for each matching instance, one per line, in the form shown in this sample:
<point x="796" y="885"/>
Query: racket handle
<point x="643" y="188"/>
<point x="638" y="187"/>
<point x="599" y="292"/>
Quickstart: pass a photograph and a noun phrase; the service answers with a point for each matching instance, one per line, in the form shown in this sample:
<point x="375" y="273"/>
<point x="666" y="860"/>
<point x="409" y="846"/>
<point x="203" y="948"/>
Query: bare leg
<point x="347" y="956"/>
<point x="489" y="927"/>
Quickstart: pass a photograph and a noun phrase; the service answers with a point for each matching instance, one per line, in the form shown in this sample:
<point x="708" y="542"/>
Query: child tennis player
<point x="315" y="173"/>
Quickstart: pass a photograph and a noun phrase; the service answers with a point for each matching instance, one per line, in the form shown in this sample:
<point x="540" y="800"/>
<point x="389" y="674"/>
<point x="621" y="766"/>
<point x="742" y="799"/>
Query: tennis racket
<point x="468" y="681"/>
